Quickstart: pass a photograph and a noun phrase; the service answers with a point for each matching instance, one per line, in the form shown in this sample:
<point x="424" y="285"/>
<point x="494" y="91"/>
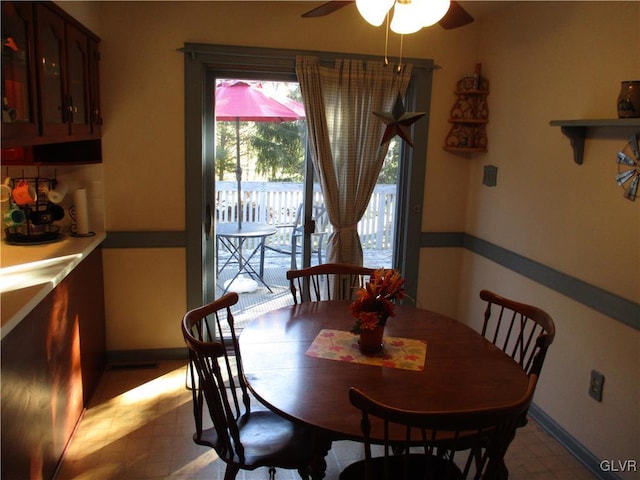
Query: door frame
<point x="204" y="62"/>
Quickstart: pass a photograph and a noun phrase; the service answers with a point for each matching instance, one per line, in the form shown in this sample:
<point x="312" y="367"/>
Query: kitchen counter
<point x="29" y="273"/>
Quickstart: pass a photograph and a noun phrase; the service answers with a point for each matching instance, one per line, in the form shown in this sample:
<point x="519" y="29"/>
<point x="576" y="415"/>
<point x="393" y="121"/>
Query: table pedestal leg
<point x="321" y="447"/>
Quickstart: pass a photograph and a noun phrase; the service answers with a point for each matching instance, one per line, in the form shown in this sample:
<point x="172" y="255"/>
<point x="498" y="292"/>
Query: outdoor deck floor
<point x="252" y="304"/>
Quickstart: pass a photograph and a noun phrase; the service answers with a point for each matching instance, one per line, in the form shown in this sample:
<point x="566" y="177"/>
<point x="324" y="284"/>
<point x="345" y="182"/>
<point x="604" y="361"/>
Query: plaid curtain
<point x="345" y="137"/>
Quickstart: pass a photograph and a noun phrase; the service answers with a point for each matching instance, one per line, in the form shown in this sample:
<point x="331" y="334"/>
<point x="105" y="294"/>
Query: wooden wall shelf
<point x="578" y="130"/>
<point x="469" y="115"/>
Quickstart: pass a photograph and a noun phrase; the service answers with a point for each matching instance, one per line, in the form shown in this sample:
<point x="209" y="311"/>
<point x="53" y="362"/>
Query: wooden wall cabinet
<point x="64" y="60"/>
<point x="51" y="364"/>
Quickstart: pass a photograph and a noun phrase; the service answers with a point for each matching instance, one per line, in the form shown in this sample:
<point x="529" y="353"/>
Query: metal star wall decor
<point x="398" y="122"/>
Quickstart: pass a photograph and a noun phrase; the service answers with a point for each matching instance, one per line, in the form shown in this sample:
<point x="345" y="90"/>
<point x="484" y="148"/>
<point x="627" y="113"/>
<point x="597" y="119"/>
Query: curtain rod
<point x="288" y="56"/>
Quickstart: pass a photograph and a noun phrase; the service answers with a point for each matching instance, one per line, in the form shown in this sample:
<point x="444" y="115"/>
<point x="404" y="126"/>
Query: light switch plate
<point x="490" y="176"/>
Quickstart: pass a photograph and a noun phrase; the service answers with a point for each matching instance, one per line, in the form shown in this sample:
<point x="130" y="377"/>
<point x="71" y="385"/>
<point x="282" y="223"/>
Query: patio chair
<point x="487" y="432"/>
<point x="245" y="434"/>
<point x="320" y="229"/>
<point x="328" y="281"/>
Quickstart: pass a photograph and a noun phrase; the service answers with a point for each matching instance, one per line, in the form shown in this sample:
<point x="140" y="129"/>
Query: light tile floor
<point x="139" y="426"/>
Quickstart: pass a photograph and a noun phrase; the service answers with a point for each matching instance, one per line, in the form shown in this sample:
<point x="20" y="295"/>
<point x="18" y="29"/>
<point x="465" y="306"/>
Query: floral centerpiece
<point x="374" y="302"/>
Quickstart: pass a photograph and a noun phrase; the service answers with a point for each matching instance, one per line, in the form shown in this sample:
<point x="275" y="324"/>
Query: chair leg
<point x="231" y="471"/>
<point x="304" y="473"/>
<point x="294" y="253"/>
<point x="503" y="472"/>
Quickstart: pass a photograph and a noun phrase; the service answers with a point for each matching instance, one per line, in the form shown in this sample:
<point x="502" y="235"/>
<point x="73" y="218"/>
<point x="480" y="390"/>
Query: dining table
<point x="301" y="360"/>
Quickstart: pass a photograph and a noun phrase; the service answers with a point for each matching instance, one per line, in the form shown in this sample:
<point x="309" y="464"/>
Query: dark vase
<point x="629" y="99"/>
<point x="371" y="340"/>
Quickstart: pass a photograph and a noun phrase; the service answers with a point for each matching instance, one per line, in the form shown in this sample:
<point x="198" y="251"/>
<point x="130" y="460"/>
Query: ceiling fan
<point x="455" y="17"/>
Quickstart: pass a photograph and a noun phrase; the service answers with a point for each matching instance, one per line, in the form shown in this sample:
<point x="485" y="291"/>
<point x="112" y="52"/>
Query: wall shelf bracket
<point x="576" y="136"/>
<point x="578" y="130"/>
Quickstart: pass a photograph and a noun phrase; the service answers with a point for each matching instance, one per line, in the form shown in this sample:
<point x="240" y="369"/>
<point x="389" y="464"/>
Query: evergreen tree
<point x="389" y="171"/>
<point x="279" y="151"/>
<point x="225" y="149"/>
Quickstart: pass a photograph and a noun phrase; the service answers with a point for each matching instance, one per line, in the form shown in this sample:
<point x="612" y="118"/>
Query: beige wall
<point x="562" y="60"/>
<point x="545" y="60"/>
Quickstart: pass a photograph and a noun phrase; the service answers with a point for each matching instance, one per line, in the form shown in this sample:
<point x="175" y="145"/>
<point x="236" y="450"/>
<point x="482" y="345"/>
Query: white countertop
<point x="29" y="273"/>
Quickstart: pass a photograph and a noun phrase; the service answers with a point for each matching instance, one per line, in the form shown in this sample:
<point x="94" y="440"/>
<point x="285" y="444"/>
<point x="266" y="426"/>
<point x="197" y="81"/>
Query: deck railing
<point x="276" y="203"/>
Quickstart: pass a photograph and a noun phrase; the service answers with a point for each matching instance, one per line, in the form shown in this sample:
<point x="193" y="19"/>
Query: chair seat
<point x="268" y="440"/>
<point x="437" y="469"/>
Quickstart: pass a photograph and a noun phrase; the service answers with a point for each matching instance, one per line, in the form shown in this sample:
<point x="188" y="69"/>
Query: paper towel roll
<point x="81" y="211"/>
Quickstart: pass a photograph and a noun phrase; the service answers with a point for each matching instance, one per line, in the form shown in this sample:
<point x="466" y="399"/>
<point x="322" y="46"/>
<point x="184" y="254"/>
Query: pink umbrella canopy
<point x="240" y="101"/>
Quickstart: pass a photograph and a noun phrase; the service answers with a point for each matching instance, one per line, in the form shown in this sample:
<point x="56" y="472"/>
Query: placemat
<point x="404" y="353"/>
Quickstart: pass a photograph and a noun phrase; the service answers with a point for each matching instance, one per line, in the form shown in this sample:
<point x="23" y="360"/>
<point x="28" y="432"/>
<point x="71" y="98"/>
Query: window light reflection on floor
<point x="134" y="409"/>
<point x="156" y="389"/>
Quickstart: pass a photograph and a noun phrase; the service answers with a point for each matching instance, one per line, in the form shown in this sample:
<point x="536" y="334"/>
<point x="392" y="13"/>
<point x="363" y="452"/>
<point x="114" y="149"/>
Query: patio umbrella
<point x="240" y="101"/>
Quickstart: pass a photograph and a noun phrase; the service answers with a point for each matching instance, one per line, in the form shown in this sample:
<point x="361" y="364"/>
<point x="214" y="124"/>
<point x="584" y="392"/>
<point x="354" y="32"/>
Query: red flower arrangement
<point x="374" y="303"/>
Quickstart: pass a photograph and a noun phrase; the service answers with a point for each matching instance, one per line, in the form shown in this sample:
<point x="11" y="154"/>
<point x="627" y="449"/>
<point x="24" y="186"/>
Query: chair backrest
<point x="318" y="214"/>
<point x="327" y="281"/>
<point x="216" y="375"/>
<point x="436" y="445"/>
<point x="522" y="331"/>
<point x="321" y="218"/>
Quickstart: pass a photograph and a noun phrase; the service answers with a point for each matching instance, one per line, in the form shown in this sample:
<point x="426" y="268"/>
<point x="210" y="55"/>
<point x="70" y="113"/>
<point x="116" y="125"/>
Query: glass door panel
<point x="50" y="58"/>
<point x="78" y="80"/>
<point x="259" y="185"/>
<point x="18" y="109"/>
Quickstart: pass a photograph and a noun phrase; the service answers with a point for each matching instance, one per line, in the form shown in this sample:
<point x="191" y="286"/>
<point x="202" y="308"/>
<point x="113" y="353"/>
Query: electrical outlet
<point x="596" y="384"/>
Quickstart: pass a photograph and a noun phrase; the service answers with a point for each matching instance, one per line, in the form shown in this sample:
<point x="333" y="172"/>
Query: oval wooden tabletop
<point x="462" y="370"/>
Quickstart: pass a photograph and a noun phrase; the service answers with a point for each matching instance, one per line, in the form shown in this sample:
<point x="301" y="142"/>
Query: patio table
<point x="233" y="237"/>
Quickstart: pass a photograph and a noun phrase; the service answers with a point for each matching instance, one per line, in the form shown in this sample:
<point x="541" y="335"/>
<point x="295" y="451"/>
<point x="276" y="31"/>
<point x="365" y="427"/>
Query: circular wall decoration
<point x="628" y="160"/>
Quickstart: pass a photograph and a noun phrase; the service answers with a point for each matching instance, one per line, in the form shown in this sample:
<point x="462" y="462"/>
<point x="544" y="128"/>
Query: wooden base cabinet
<point x="51" y="364"/>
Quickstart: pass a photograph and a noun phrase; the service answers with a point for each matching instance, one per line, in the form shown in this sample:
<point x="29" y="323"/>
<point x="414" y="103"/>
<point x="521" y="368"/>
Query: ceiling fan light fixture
<point x="374" y="11"/>
<point x="406" y="17"/>
<point x="432" y="11"/>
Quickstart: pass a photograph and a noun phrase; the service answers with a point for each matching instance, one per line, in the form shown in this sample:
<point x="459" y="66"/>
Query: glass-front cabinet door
<point x="78" y="82"/>
<point x="19" y="118"/>
<point x="95" y="114"/>
<point x="50" y="43"/>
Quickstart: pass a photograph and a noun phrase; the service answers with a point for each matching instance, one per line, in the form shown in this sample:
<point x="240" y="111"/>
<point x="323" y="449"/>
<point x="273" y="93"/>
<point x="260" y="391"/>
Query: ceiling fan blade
<point x="325" y="9"/>
<point x="455" y="17"/>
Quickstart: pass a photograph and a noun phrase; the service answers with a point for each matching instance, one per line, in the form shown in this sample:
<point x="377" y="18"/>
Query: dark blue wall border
<point x="590" y="461"/>
<point x="605" y="302"/>
<point x="596" y="298"/>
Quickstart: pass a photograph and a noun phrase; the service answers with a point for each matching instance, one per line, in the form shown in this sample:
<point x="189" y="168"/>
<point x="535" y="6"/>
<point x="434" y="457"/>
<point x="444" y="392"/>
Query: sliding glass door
<point x="244" y="172"/>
